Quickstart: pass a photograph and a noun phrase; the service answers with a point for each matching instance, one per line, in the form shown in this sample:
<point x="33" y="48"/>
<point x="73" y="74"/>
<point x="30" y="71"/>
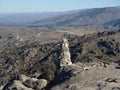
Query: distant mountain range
<point x="24" y="18"/>
<point x="96" y="18"/>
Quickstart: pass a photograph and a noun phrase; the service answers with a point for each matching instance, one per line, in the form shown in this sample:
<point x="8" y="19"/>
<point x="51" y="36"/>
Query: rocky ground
<point x="95" y="58"/>
<point x="90" y="77"/>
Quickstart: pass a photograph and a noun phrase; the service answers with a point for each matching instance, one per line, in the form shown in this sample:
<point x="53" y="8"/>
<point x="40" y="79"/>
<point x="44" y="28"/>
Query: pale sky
<point x="52" y="5"/>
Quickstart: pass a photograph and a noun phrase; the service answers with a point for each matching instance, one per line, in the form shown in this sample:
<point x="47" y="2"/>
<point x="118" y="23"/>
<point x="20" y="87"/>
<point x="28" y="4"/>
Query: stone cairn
<point x="65" y="54"/>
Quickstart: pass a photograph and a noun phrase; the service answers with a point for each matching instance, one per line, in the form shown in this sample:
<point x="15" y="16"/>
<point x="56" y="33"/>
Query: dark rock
<point x="115" y="88"/>
<point x="111" y="80"/>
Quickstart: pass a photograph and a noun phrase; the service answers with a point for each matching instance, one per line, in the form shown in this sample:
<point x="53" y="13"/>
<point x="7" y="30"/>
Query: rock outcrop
<point x="17" y="85"/>
<point x="26" y="83"/>
<point x="65" y="54"/>
<point x="34" y="83"/>
<point x="40" y="84"/>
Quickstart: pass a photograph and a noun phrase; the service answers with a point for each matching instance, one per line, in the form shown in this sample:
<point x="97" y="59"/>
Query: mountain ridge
<point x="95" y="18"/>
<point x="89" y="18"/>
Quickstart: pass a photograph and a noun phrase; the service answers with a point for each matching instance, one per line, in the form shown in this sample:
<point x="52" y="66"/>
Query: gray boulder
<point x="40" y="84"/>
<point x="34" y="83"/>
<point x="17" y="85"/>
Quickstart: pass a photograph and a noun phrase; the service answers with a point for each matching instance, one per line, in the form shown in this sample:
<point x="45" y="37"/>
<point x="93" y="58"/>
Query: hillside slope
<point x="95" y="18"/>
<point x="90" y="18"/>
<point x="43" y="60"/>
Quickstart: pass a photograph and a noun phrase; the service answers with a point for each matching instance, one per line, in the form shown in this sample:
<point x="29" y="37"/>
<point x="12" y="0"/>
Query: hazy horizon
<point x="23" y="6"/>
<point x="43" y="12"/>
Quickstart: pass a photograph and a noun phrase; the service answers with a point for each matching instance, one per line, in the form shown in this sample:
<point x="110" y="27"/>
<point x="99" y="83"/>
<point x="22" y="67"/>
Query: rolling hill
<point x="95" y="18"/>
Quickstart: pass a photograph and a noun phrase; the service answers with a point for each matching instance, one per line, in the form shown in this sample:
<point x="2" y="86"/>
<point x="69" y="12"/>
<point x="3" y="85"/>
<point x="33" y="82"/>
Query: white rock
<point x="23" y="78"/>
<point x="65" y="54"/>
<point x="86" y="68"/>
<point x="1" y="87"/>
